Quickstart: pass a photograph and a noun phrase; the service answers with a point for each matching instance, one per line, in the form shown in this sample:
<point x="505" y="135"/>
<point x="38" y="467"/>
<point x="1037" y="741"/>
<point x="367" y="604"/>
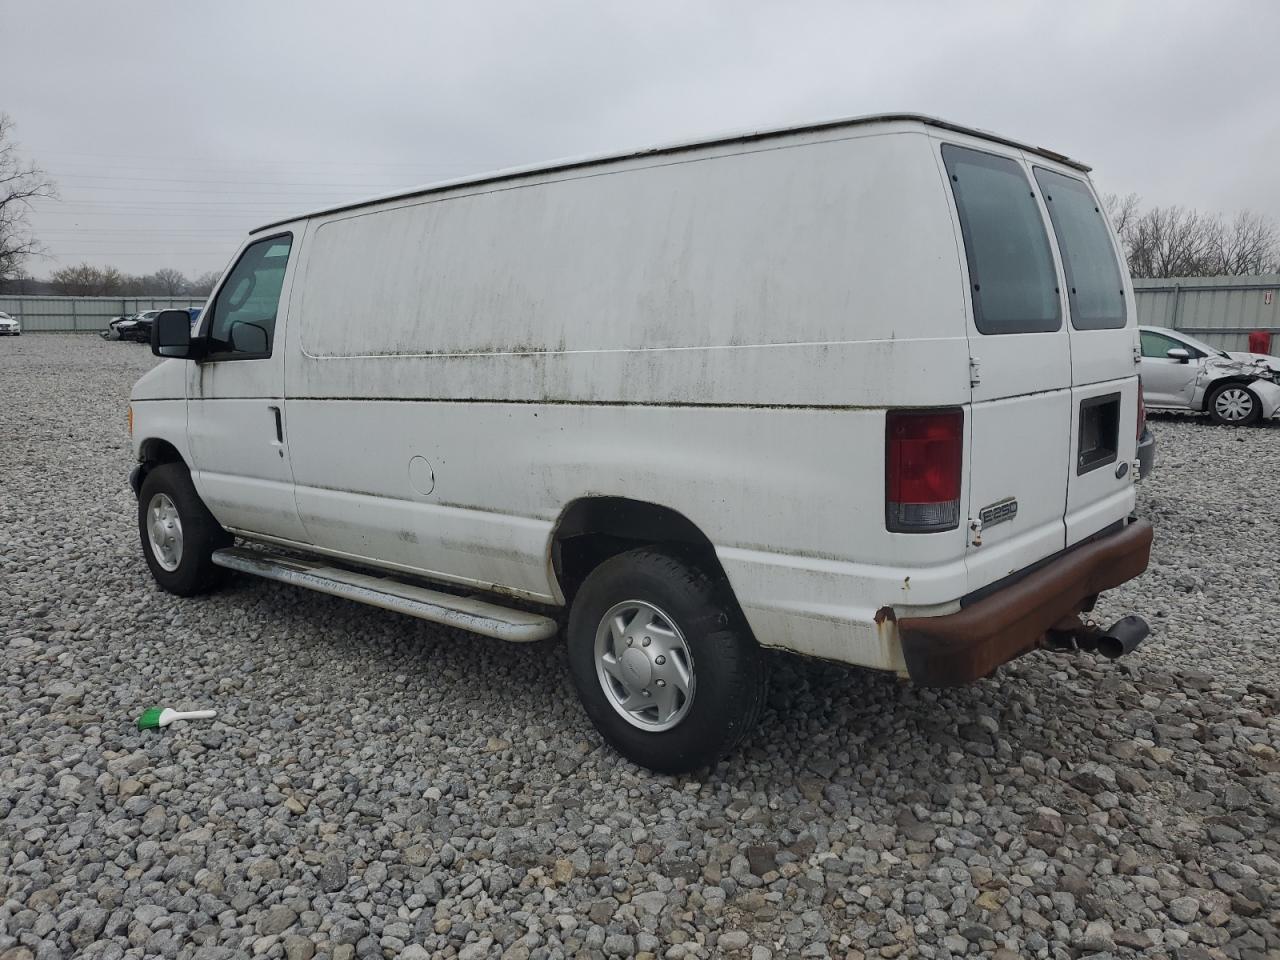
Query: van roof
<point x="678" y="147"/>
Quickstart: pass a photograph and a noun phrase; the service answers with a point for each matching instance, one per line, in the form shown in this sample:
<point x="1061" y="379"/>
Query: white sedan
<point x="1180" y="372"/>
<point x="9" y="326"/>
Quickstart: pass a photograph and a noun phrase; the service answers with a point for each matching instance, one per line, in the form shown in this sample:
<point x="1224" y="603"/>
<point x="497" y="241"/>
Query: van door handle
<point x="279" y="424"/>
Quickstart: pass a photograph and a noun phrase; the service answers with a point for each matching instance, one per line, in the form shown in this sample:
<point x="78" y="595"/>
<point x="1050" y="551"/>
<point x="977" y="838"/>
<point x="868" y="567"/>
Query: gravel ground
<point x="376" y="787"/>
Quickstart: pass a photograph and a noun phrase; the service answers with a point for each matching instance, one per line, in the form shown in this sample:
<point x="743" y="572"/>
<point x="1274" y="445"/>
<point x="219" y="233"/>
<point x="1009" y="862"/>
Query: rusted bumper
<point x="961" y="647"/>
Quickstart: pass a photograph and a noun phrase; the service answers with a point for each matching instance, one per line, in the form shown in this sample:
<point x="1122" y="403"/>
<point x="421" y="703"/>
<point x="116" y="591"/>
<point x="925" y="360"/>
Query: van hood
<point x="167" y="380"/>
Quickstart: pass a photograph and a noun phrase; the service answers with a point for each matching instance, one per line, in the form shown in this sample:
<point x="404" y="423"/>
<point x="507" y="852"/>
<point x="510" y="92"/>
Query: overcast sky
<point x="173" y="128"/>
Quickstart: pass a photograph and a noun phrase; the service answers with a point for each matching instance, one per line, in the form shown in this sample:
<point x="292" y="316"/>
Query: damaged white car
<point x="1180" y="372"/>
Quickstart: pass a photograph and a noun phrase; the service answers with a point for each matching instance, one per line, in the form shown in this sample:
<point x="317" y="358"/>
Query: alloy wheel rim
<point x="1234" y="404"/>
<point x="164" y="531"/>
<point x="644" y="665"/>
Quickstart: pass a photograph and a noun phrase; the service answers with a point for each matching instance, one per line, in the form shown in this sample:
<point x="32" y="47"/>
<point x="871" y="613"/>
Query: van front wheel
<point x="665" y="668"/>
<point x="178" y="532"/>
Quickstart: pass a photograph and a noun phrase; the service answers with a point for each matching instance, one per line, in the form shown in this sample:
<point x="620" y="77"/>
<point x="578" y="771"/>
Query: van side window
<point x="1158" y="345"/>
<point x="1011" y="273"/>
<point x="242" y="320"/>
<point x="1094" y="287"/>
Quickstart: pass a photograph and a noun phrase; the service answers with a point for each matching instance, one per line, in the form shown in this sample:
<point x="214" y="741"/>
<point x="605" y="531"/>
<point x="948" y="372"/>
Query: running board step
<point x="478" y="616"/>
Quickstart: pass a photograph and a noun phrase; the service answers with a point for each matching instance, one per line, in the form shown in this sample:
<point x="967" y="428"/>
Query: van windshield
<point x="1011" y="272"/>
<point x="1094" y="287"/>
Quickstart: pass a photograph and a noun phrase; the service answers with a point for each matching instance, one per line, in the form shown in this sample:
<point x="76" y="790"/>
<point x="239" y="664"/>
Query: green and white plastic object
<point x="154" y="718"/>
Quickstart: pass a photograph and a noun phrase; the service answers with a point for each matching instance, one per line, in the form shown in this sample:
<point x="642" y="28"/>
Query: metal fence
<point x="82" y="314"/>
<point x="1222" y="311"/>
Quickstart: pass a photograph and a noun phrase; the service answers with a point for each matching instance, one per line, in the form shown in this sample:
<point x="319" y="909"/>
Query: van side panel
<point x="655" y="283"/>
<point x="718" y="334"/>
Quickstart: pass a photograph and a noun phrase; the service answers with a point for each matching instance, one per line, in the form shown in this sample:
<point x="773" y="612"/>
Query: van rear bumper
<point x="960" y="647"/>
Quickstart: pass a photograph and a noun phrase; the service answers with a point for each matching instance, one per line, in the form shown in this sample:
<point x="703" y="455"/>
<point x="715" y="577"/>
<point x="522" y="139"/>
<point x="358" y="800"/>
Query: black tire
<point x="1252" y="417"/>
<point x="195" y="572"/>
<point x="729" y="669"/>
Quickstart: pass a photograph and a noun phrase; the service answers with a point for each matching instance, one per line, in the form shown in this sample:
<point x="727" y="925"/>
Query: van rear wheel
<point x="178" y="532"/>
<point x="663" y="663"/>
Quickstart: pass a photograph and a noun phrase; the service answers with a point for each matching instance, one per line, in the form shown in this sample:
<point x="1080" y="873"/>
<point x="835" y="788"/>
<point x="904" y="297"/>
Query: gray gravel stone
<point x="1184" y="909"/>
<point x="333" y="873"/>
<point x="377" y="786"/>
<point x="734" y="940"/>
<point x="277" y="920"/>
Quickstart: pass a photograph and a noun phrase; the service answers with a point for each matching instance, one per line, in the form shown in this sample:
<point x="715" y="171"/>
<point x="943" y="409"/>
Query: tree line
<point x="86" y="280"/>
<point x="1177" y="242"/>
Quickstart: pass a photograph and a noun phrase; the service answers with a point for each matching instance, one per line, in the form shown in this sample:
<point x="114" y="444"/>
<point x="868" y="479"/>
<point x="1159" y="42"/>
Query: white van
<point x="862" y="390"/>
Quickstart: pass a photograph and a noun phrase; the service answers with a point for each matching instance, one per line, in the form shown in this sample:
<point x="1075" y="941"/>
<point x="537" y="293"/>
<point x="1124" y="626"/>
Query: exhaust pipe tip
<point x="1123" y="636"/>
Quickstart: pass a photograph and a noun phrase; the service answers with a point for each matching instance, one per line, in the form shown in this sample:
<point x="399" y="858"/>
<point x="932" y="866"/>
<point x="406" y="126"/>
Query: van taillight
<point x="1142" y="411"/>
<point x="924" y="454"/>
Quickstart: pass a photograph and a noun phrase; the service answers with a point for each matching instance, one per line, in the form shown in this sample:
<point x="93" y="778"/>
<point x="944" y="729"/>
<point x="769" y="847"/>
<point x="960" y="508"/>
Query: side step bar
<point x="478" y="616"/>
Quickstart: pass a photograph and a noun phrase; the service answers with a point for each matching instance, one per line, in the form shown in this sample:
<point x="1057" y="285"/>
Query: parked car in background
<point x="1180" y="372"/>
<point x="119" y="328"/>
<point x="9" y="326"/>
<point x="136" y="327"/>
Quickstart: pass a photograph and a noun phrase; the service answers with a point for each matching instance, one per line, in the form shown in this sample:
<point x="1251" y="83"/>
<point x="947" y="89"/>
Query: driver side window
<point x="242" y="320"/>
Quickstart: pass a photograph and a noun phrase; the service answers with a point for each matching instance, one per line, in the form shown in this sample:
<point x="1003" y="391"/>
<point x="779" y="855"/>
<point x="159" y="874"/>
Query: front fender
<point x="1268" y="394"/>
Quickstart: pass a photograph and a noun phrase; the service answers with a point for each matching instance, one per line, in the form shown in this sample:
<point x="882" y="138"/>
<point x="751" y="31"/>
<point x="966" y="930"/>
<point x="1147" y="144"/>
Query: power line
<point x="157" y="228"/>
<point x="215" y="220"/>
<point x="242" y="213"/>
<point x="112" y="178"/>
<point x="189" y="172"/>
<point x="100" y="232"/>
<point x="218" y="256"/>
<point x="147" y="191"/>
<point x="170" y="158"/>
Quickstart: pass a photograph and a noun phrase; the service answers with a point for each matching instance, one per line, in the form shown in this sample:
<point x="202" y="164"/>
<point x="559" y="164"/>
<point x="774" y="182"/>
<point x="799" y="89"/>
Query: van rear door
<point x="1021" y="372"/>
<point x="1104" y="404"/>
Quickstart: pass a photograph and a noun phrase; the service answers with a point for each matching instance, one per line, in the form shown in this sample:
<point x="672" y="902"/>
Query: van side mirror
<point x="171" y="335"/>
<point x="1177" y="353"/>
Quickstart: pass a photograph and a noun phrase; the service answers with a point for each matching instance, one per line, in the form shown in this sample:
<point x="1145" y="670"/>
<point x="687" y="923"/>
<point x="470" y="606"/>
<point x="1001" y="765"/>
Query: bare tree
<point x="170" y="282"/>
<point x="1248" y="244"/>
<point x="1176" y="242"/>
<point x="86" y="280"/>
<point x="202" y="285"/>
<point x="1122" y="211"/>
<point x="20" y="183"/>
<point x="1172" y="242"/>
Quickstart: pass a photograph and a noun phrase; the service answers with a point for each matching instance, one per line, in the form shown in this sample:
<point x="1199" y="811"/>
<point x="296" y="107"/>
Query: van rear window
<point x="1011" y="272"/>
<point x="1093" y="276"/>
